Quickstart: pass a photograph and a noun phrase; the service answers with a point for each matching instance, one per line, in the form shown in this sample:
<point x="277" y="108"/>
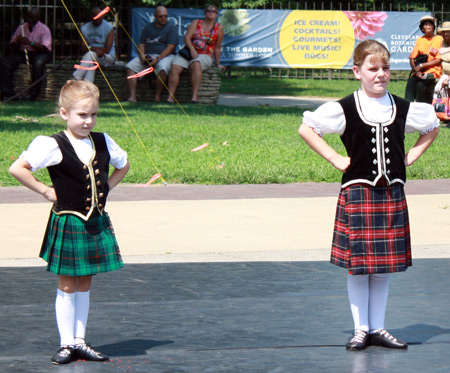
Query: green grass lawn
<point x="254" y="144"/>
<point x="299" y="87"/>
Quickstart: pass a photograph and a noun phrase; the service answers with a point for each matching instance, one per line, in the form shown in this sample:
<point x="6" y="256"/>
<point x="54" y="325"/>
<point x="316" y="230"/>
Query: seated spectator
<point x="99" y="36"/>
<point x="444" y="51"/>
<point x="203" y="39"/>
<point x="156" y="48"/>
<point x="442" y="83"/>
<point x="36" y="39"/>
<point x="420" y="86"/>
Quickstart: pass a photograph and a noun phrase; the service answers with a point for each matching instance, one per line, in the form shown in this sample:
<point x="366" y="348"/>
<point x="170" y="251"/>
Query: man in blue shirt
<point x="156" y="46"/>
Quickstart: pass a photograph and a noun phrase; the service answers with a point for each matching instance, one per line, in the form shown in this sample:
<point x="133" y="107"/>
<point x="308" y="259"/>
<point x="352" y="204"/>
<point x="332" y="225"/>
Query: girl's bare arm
<point x="422" y="144"/>
<point x="320" y="146"/>
<point x="21" y="170"/>
<point x="117" y="175"/>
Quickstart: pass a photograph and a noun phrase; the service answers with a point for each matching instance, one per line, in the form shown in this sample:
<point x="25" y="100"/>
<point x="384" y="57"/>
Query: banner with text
<point x="298" y="38"/>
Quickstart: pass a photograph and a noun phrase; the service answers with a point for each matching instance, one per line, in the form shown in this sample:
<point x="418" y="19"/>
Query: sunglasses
<point x="211" y="11"/>
<point x="162" y="16"/>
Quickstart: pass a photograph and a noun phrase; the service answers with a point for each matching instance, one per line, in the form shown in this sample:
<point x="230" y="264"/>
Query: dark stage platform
<point x="227" y="317"/>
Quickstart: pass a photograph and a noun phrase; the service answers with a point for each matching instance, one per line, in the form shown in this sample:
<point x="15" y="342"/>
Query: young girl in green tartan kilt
<point x="79" y="241"/>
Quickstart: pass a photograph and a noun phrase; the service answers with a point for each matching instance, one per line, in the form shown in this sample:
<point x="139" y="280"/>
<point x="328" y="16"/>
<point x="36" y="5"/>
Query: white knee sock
<point x="358" y="295"/>
<point x="379" y="292"/>
<point x="65" y="316"/>
<point x="81" y="315"/>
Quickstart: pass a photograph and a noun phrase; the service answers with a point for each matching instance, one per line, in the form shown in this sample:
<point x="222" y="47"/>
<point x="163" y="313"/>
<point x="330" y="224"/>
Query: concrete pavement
<point x="222" y="223"/>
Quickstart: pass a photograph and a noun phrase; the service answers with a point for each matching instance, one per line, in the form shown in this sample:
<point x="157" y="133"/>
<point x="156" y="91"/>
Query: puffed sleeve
<point x="42" y="152"/>
<point x="327" y="118"/>
<point x="421" y="117"/>
<point x="118" y="156"/>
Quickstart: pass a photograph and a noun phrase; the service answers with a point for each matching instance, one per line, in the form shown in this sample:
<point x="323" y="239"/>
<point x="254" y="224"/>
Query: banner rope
<point x="142" y="55"/>
<point x="158" y="175"/>
<point x="114" y="94"/>
<point x="116" y="18"/>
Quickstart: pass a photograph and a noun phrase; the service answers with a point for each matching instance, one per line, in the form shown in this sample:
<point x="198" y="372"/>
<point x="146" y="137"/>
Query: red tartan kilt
<point x="371" y="230"/>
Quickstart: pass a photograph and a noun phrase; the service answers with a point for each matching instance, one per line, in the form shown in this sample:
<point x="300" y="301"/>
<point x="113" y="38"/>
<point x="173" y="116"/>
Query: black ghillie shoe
<point x="385" y="339"/>
<point x="86" y="352"/>
<point x="64" y="355"/>
<point x="358" y="341"/>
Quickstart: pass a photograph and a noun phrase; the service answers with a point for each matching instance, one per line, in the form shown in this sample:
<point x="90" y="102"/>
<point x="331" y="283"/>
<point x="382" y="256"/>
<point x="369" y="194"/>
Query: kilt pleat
<point x="75" y="247"/>
<point x="371" y="230"/>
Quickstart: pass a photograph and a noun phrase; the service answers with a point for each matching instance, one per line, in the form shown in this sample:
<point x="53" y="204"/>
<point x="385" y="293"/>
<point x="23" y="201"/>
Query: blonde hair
<point x="372" y="48"/>
<point x="77" y="90"/>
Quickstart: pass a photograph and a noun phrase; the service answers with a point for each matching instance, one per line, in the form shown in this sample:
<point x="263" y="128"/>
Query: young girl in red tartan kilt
<point x="371" y="232"/>
<point x="79" y="241"/>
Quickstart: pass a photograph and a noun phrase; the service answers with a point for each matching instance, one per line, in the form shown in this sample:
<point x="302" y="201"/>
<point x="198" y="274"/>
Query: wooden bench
<point x="116" y="75"/>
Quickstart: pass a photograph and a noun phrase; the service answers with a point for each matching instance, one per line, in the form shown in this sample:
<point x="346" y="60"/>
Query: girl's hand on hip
<point x="340" y="162"/>
<point x="50" y="194"/>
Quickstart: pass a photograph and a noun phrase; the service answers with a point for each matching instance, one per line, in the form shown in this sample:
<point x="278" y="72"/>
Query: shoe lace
<point x="88" y="348"/>
<point x="386" y="334"/>
<point x="64" y="351"/>
<point x="359" y="336"/>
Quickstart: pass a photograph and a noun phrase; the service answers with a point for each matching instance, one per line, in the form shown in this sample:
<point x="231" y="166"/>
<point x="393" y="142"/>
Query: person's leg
<point x="78" y="74"/>
<point x="162" y="70"/>
<point x="38" y="62"/>
<point x="428" y="93"/>
<point x="378" y="296"/>
<point x="82" y="302"/>
<point x="132" y="85"/>
<point x="65" y="319"/>
<point x="133" y="67"/>
<point x="358" y="295"/>
<point x="65" y="316"/>
<point x="86" y="74"/>
<point x="410" y="90"/>
<point x="174" y="80"/>
<point x="8" y="65"/>
<point x="196" y="79"/>
<point x="106" y="60"/>
<point x="425" y="90"/>
<point x="161" y="82"/>
<point x="421" y="91"/>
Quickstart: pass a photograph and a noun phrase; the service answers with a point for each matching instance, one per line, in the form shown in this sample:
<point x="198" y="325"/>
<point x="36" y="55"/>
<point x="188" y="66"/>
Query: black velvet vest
<point x="80" y="188"/>
<point x="376" y="149"/>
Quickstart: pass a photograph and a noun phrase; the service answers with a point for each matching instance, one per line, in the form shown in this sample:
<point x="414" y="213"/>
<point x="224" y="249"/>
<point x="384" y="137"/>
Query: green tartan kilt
<point x="75" y="247"/>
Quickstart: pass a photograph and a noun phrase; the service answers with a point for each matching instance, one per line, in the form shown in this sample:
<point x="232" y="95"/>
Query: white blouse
<point x="44" y="152"/>
<point x="330" y="118"/>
